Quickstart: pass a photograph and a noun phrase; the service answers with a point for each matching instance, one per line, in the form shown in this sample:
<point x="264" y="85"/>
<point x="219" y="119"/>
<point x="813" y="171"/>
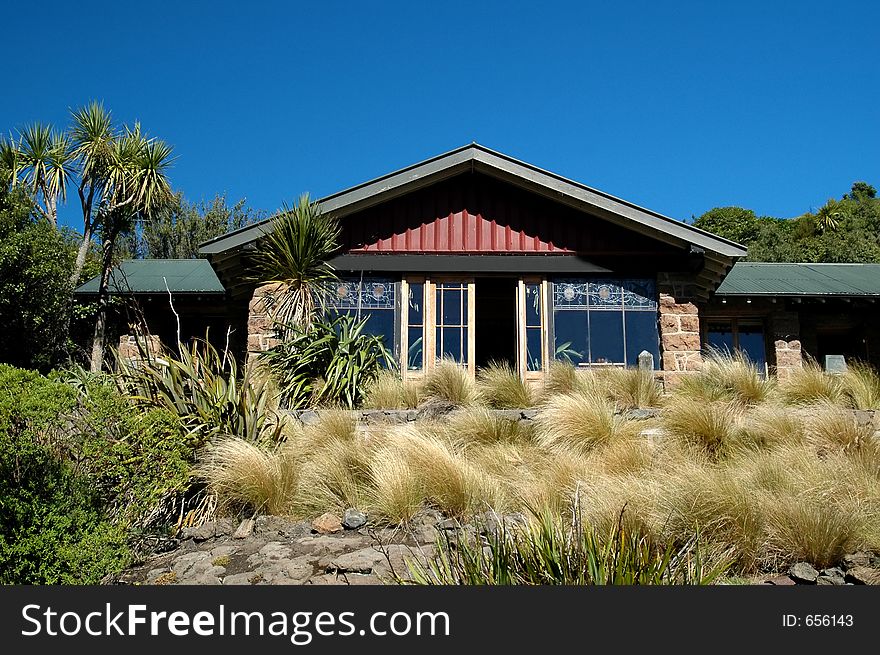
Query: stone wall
<point x="261" y="333"/>
<point x="679" y="338"/>
<point x="785" y="327"/>
<point x="133" y="346"/>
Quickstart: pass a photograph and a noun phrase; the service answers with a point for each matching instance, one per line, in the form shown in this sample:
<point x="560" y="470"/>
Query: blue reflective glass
<point x="571" y="336"/>
<point x="533" y="349"/>
<point x="641" y="334"/>
<point x="751" y="341"/>
<point x="606" y="337"/>
<point x="415" y="356"/>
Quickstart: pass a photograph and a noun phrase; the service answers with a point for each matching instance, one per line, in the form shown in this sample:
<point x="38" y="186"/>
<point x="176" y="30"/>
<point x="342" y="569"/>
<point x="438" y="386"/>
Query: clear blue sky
<point x="679" y="108"/>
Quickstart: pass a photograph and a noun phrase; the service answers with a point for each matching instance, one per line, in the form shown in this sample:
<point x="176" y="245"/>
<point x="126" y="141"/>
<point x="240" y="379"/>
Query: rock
<point x="345" y="579"/>
<point x="239" y="578"/>
<point x="155" y="574"/>
<point x="427" y="516"/>
<point x="434" y="408"/>
<point x="352" y="519"/>
<point x="642" y="414"/>
<point x="309" y="417"/>
<point x="448" y="524"/>
<point x="281" y="527"/>
<point x="372" y="560"/>
<point x="828" y="580"/>
<point x="856" y="559"/>
<point x="803" y="573"/>
<point x="327" y="524"/>
<point x="780" y="581"/>
<point x="528" y="414"/>
<point x="862" y="575"/>
<point x="424" y="534"/>
<point x="326" y="545"/>
<point x="512" y="415"/>
<point x="200" y="533"/>
<point x="244" y="530"/>
<point x="223" y="527"/>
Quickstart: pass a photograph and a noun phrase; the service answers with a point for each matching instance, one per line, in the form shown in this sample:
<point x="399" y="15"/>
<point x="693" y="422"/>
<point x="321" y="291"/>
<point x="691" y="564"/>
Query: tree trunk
<point x="97" y="359"/>
<point x="81" y="254"/>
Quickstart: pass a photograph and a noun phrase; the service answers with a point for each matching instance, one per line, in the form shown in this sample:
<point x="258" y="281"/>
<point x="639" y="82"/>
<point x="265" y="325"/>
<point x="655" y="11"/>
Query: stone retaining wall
<point x="679" y="339"/>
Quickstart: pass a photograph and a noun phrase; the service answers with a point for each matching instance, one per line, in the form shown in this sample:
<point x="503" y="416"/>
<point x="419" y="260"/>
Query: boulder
<point x="327" y="524"/>
<point x="353" y="518"/>
<point x="803" y="573"/>
<point x="863" y="575"/>
<point x="856" y="559"/>
<point x="244" y="530"/>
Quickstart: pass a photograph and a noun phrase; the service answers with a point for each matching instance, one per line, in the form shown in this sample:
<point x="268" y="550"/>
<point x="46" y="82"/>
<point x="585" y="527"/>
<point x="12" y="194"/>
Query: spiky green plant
<point x="331" y="363"/>
<point x="206" y="390"/>
<point x="550" y="553"/>
<point x="295" y="253"/>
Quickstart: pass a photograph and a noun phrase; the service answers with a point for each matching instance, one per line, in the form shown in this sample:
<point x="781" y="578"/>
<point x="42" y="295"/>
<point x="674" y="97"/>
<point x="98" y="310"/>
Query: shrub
<point x="204" y="389"/>
<point x="809" y="529"/>
<point x="53" y="527"/>
<point x="578" y="423"/>
<point x="330" y="363"/>
<point x="450" y="382"/>
<point x="502" y="388"/>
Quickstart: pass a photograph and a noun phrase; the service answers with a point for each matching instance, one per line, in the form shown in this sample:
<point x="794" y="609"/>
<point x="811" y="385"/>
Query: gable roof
<point x="146" y="276"/>
<point x="475" y="157"/>
<point x="770" y="279"/>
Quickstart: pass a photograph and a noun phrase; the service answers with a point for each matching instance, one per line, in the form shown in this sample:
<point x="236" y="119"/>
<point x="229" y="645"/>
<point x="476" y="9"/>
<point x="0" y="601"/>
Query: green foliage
<point x="332" y="363"/>
<point x="35" y="264"/>
<point x="734" y="223"/>
<point x="52" y="525"/>
<point x="550" y="553"/>
<point x="294" y="253"/>
<point x="205" y="390"/>
<point x="176" y="231"/>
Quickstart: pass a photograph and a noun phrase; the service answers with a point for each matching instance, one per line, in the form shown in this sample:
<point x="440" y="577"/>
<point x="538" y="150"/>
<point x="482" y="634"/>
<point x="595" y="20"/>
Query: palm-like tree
<point x="46" y="165"/>
<point x="295" y="253"/>
<point x="131" y="182"/>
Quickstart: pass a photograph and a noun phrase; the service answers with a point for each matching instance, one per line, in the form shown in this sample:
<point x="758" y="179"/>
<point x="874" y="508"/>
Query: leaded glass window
<point x="605" y="321"/>
<point x="371" y="298"/>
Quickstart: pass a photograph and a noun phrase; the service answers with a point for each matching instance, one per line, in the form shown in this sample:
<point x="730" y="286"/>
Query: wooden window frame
<point x="430" y="329"/>
<point x="521" y="329"/>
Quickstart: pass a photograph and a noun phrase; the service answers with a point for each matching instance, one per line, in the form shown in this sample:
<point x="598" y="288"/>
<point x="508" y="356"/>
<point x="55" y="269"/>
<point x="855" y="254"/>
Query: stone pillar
<point x="261" y="330"/>
<point x="133" y="347"/>
<point x="679" y="339"/>
<point x="787" y="343"/>
<point x="788" y="358"/>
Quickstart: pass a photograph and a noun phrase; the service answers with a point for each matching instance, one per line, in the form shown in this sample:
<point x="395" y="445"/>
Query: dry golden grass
<point x="773" y="483"/>
<point x="810" y="384"/>
<point x="502" y="388"/>
<point x="450" y="381"/>
<point x="388" y="391"/>
<point x="711" y="428"/>
<point x="631" y="388"/>
<point x="862" y="384"/>
<point x="731" y="377"/>
<point x="579" y="423"/>
<point x="244" y="475"/>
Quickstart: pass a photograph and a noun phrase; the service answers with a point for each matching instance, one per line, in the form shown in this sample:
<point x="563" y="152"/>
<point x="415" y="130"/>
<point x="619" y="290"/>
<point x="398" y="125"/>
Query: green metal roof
<point x="151" y="275"/>
<point x="764" y="279"/>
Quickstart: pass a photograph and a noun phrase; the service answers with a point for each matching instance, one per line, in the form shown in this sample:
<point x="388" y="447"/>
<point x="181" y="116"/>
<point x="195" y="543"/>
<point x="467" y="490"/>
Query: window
<point x="451" y="307"/>
<point x="732" y="334"/>
<point x="415" y="359"/>
<point x="371" y="298"/>
<point x="533" y="327"/>
<point x="609" y="322"/>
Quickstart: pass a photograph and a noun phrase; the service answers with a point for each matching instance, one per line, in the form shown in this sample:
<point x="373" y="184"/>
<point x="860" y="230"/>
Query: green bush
<point x="331" y="363"/>
<point x="81" y="475"/>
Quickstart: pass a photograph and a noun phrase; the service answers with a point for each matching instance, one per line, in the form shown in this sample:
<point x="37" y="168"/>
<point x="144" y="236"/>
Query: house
<point x="477" y="257"/>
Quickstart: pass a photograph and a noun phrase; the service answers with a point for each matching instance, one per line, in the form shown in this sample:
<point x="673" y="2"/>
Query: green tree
<point x="294" y="253"/>
<point x="734" y="223"/>
<point x="35" y="264"/>
<point x="176" y="231"/>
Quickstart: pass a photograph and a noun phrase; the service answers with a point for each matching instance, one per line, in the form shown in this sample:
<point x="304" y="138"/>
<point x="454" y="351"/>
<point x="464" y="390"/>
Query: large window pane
<point x="641" y="334"/>
<point x="572" y="337"/>
<point x="719" y="337"/>
<point x="373" y="299"/>
<point x="534" y="357"/>
<point x="415" y="326"/>
<point x="606" y="337"/>
<point x="751" y="342"/>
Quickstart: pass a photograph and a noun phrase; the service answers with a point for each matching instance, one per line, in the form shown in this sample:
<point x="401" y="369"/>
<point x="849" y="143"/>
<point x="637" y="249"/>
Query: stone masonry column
<point x="679" y="339"/>
<point x="789" y="358"/>
<point x="261" y="331"/>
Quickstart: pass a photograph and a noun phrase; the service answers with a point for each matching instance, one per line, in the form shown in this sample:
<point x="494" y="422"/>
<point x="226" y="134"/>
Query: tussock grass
<point x="729" y="376"/>
<point x="771" y="425"/>
<point x="810" y="384"/>
<point x="562" y="378"/>
<point x="837" y="428"/>
<point x="480" y="426"/>
<point x="450" y="382"/>
<point x="502" y="388"/>
<point x="805" y="528"/>
<point x="710" y="428"/>
<point x="245" y="475"/>
<point x="388" y="391"/>
<point x="632" y="388"/>
<point x="862" y="384"/>
<point x="579" y="423"/>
